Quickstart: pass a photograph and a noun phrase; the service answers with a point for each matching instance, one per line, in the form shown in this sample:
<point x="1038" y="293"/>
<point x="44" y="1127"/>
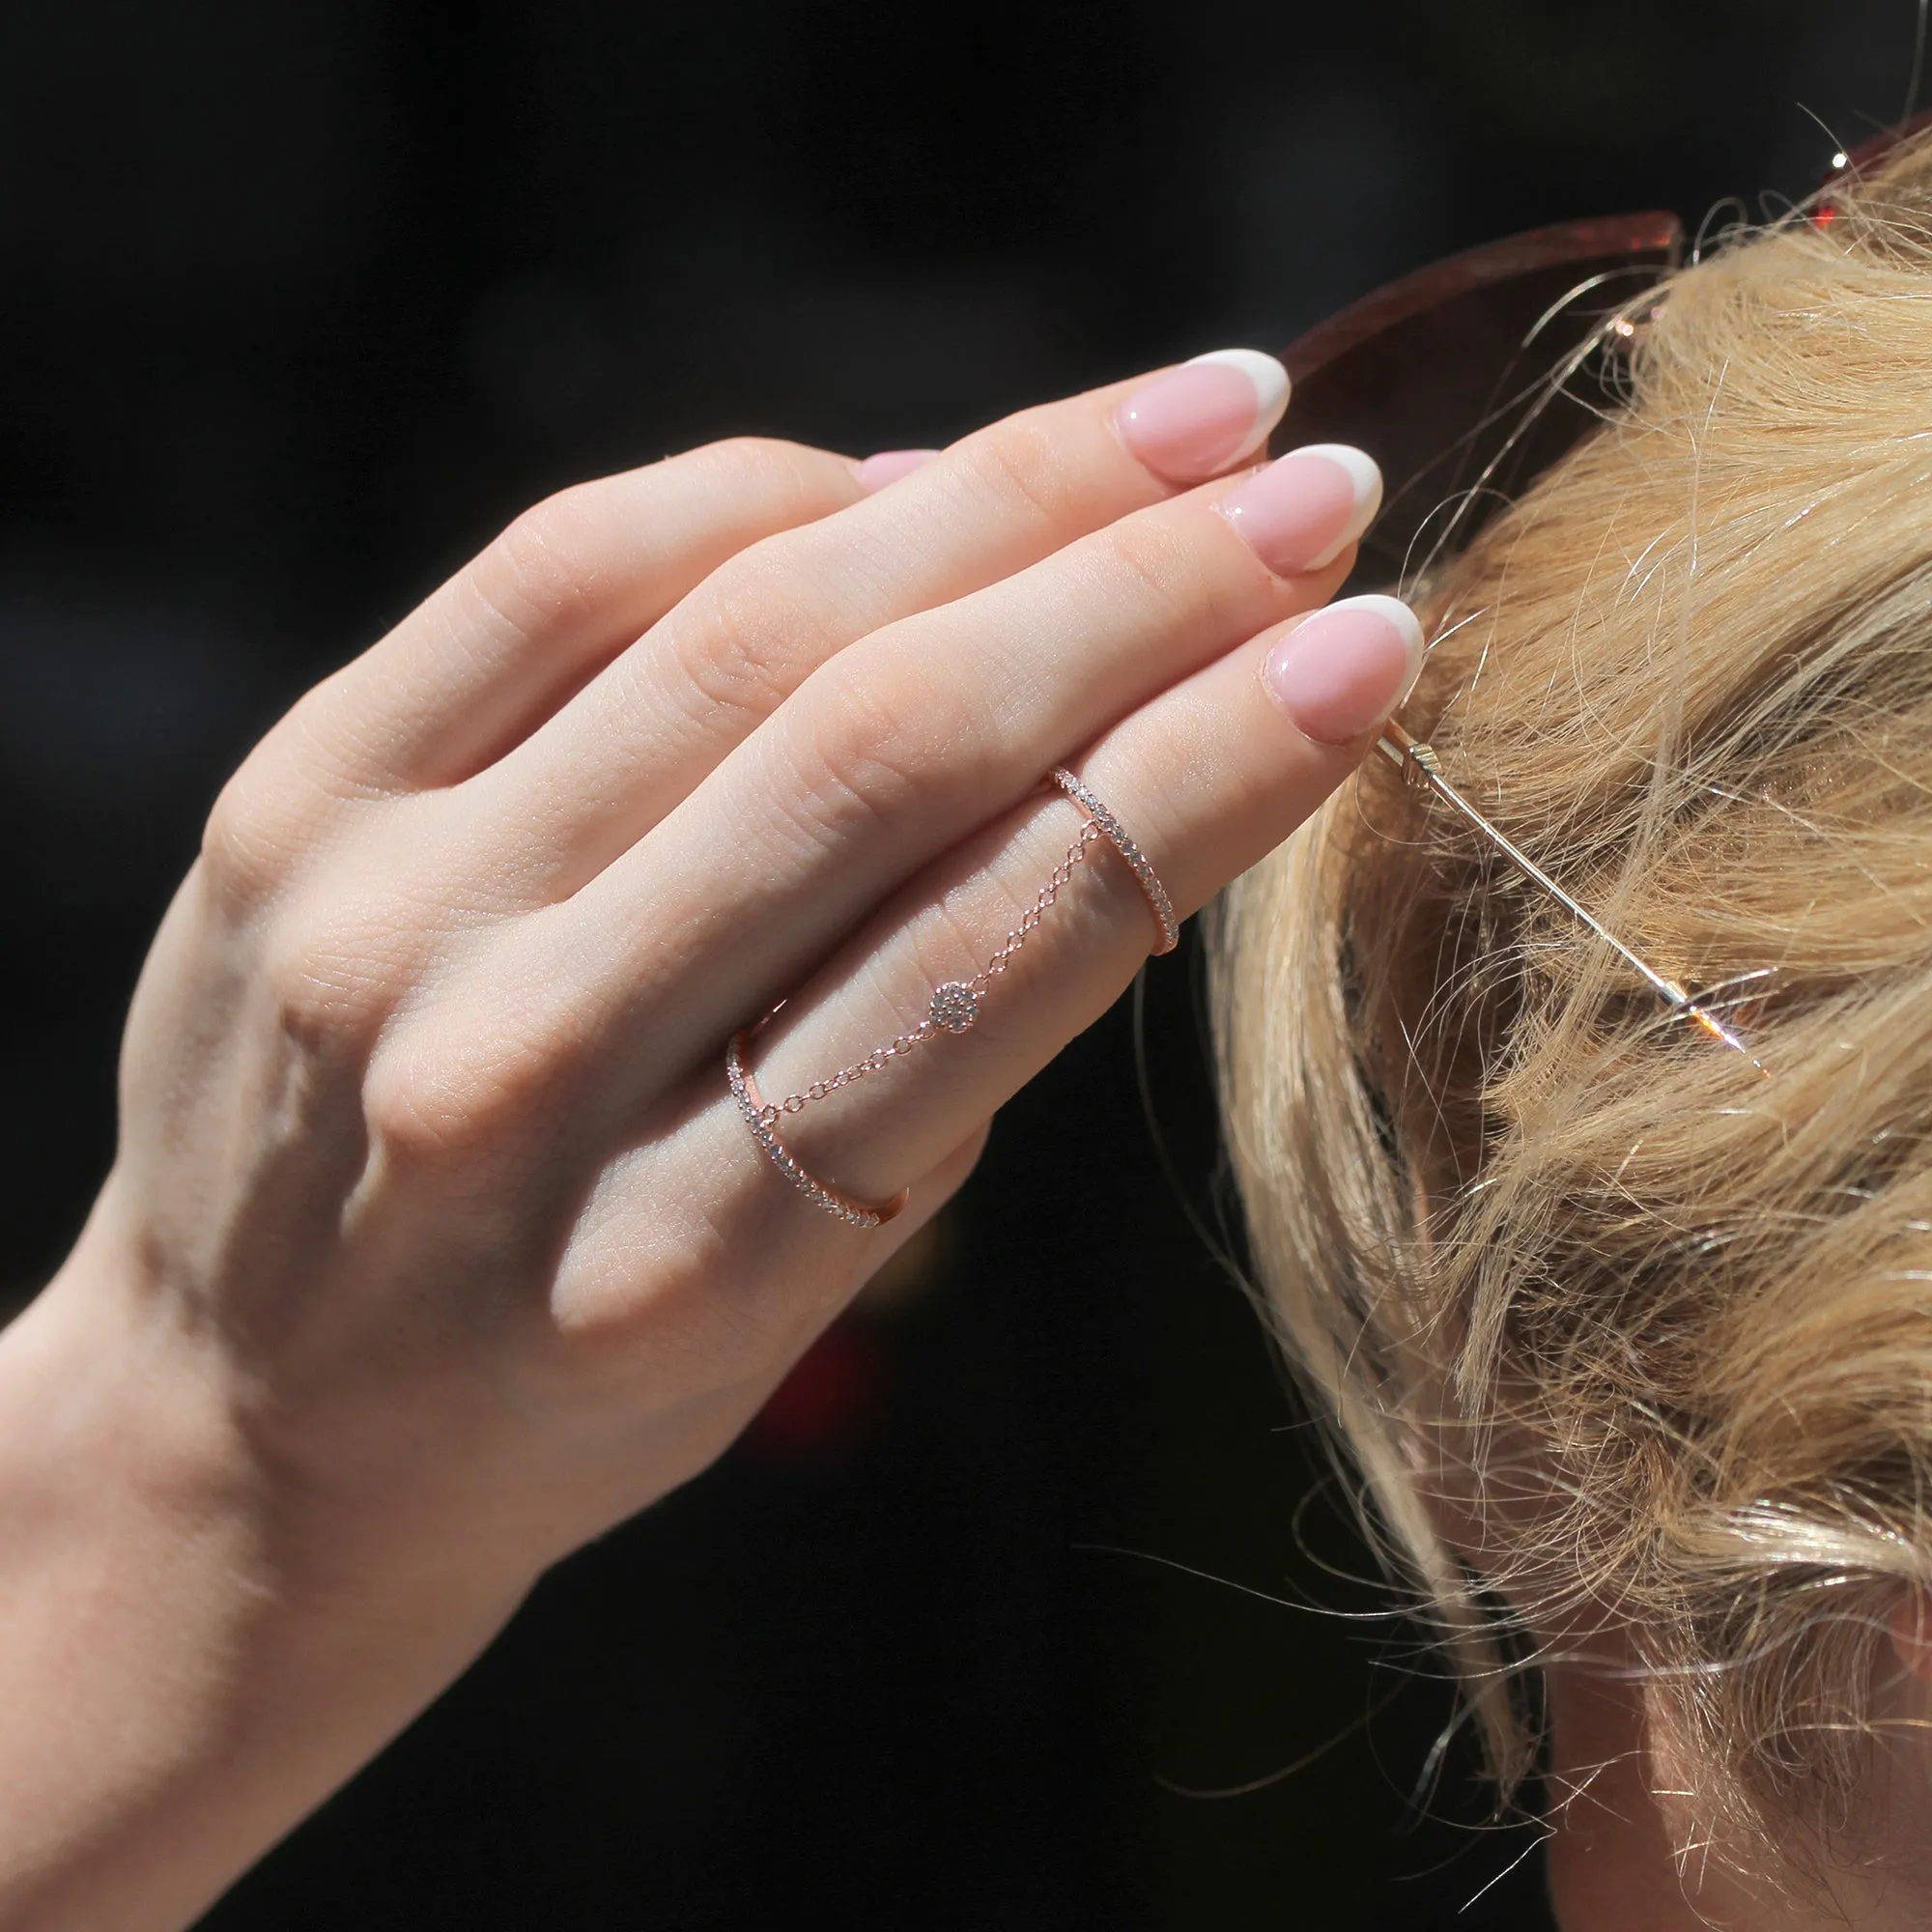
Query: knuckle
<point x="549" y="564"/>
<point x="326" y="991"/>
<point x="954" y="935"/>
<point x="456" y="1087"/>
<point x="744" y="649"/>
<point x="260" y="821"/>
<point x="417" y="1113"/>
<point x="413" y="1121"/>
<point x="1022" y="460"/>
<point x="765" y="467"/>
<point x="1155" y="562"/>
<point x="236" y="860"/>
<point x="427" y="1105"/>
<point x="878" y="748"/>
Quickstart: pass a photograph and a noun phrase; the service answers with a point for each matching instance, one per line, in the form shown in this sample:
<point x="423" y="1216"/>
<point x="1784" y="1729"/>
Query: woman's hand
<point x="436" y="1243"/>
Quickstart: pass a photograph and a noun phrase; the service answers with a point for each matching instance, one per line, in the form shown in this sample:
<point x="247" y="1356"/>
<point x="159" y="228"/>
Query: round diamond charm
<point x="956" y="1006"/>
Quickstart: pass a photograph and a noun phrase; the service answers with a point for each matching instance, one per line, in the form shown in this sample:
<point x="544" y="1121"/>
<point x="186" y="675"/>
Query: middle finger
<point x="644" y="733"/>
<point x="916" y="736"/>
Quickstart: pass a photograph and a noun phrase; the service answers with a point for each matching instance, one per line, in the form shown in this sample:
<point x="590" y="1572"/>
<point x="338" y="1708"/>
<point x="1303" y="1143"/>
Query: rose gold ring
<point x="763" y="1123"/>
<point x="1117" y="835"/>
<point x="954" y="1008"/>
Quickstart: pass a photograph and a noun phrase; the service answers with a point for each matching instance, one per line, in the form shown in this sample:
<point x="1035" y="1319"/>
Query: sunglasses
<point x="1468" y="379"/>
<point x="1461" y="378"/>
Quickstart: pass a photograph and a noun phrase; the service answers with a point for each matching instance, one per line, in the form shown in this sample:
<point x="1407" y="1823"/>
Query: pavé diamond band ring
<point x="953" y="1008"/>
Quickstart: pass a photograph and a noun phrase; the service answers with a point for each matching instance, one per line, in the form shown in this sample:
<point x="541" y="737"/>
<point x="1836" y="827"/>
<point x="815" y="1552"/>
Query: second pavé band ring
<point x="953" y="1008"/>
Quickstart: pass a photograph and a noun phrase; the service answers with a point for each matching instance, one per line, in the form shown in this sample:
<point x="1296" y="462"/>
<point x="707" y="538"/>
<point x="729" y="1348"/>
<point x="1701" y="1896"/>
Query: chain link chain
<point x="958" y="997"/>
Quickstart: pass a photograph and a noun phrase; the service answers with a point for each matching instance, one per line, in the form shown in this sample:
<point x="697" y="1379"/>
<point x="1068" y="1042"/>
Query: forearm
<point x="173" y="1701"/>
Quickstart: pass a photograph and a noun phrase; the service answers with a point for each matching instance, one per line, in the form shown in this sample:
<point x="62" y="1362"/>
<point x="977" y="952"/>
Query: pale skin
<point x="434" y="1245"/>
<point x="1629" y="1848"/>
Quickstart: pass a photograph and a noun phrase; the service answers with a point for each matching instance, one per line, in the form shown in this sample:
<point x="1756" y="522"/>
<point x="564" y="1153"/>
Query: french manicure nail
<point x="1343" y="671"/>
<point x="1192" y="422"/>
<point x="1304" y="508"/>
<point x="890" y="465"/>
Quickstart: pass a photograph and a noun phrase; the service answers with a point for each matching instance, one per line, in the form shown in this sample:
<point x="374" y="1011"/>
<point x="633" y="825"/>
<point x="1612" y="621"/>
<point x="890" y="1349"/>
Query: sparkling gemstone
<point x="956" y="1006"/>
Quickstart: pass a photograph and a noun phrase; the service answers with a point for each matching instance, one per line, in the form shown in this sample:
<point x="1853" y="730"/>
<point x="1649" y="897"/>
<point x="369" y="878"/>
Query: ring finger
<point x="1206" y="779"/>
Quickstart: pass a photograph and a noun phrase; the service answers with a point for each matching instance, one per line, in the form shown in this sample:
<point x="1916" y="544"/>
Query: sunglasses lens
<point x="1443" y="377"/>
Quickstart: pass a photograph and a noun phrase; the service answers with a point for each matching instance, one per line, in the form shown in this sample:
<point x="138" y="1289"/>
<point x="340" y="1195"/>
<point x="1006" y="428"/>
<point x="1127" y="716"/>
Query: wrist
<point x="110" y="1412"/>
<point x="185" y="1674"/>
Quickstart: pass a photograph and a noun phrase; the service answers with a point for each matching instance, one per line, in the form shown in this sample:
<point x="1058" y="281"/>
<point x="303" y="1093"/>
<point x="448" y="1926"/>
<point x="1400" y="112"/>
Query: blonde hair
<point x="1661" y="1317"/>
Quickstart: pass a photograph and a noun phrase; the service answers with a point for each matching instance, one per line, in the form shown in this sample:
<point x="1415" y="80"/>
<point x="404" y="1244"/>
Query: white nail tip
<point x="1365" y="478"/>
<point x="1408" y="625"/>
<point x="1271" y="381"/>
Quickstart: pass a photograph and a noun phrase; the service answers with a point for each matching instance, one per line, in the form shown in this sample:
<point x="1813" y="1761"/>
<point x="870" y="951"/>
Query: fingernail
<point x="890" y="465"/>
<point x="1344" y="669"/>
<point x="1303" y="509"/>
<point x="1192" y="422"/>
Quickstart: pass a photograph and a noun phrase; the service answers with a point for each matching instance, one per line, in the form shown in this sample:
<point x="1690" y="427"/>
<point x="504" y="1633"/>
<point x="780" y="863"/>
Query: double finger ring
<point x="954" y="1008"/>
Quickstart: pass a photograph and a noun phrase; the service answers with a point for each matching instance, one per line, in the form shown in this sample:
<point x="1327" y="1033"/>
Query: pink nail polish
<point x="1340" y="672"/>
<point x="890" y="465"/>
<point x="1302" y="511"/>
<point x="1192" y="422"/>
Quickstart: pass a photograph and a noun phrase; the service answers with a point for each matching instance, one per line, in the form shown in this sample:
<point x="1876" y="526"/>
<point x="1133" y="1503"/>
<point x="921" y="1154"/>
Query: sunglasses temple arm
<point x="1418" y="765"/>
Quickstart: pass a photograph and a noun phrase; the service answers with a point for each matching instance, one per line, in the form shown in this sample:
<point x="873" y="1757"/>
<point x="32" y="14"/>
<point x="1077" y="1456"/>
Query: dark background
<point x="305" y="297"/>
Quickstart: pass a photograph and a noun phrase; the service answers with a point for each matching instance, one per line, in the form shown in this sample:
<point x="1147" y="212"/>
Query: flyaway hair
<point x="1599" y="1313"/>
